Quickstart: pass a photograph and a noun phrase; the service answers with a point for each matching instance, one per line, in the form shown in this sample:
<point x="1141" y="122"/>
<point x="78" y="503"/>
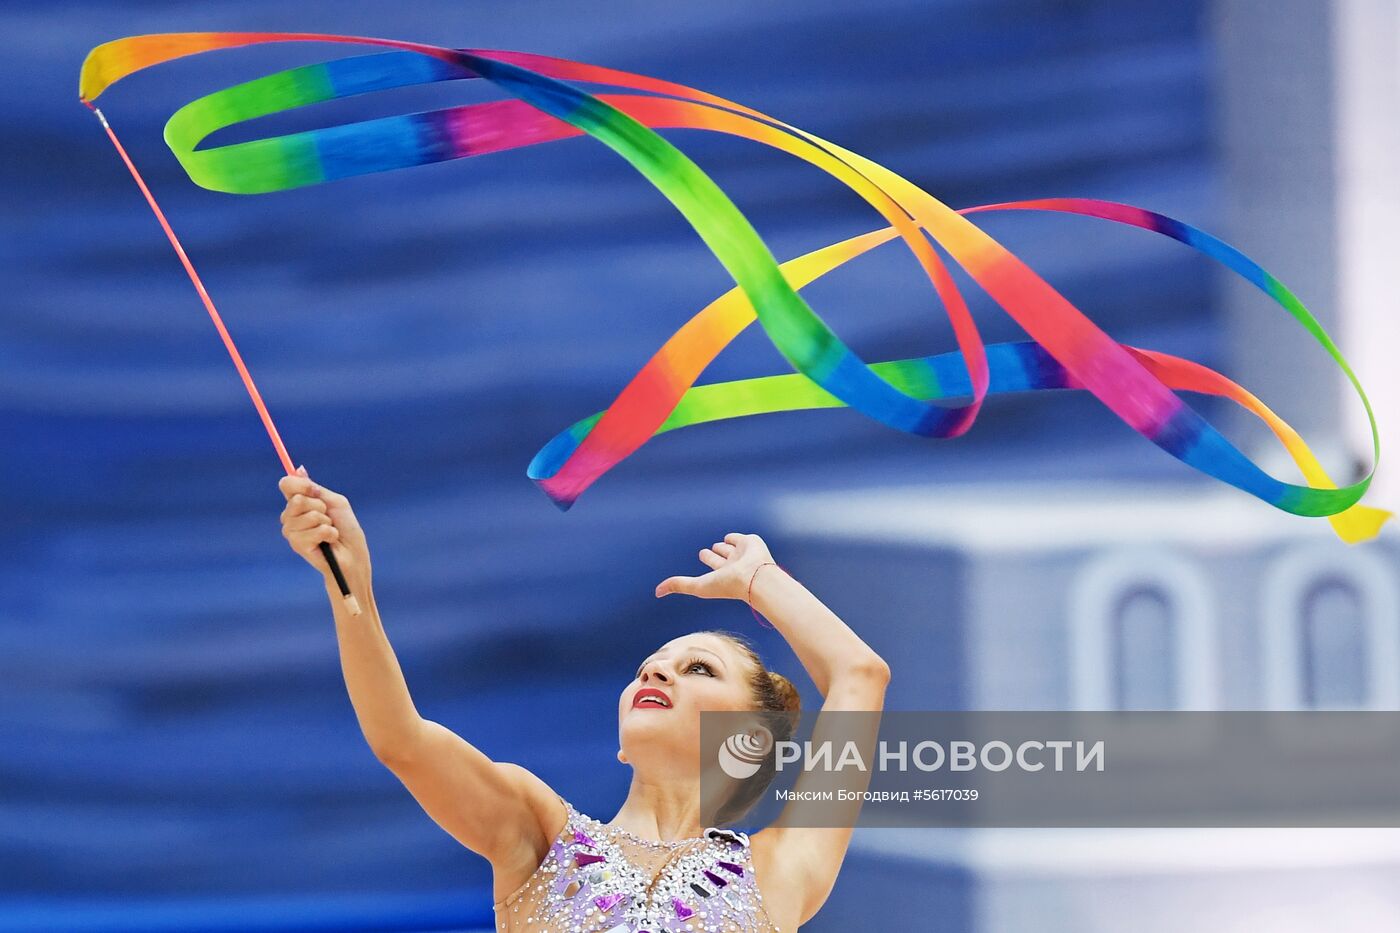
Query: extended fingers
<point x="741" y="541"/>
<point x="716" y="554"/>
<point x="671" y="585"/>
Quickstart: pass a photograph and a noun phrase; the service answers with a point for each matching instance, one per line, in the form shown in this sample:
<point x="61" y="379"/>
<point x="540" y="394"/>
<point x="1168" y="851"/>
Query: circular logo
<point x="742" y="753"/>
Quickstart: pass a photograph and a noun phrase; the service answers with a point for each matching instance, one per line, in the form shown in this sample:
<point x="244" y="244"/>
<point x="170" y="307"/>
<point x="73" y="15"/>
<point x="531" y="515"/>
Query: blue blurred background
<point x="176" y="747"/>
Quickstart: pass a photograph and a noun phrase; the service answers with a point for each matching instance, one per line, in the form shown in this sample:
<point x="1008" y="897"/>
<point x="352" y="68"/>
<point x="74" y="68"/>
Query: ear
<point x="621" y="757"/>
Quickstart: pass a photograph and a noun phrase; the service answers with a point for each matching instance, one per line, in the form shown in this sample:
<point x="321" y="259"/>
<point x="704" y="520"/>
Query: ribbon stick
<point x="351" y="603"/>
<point x="936" y="396"/>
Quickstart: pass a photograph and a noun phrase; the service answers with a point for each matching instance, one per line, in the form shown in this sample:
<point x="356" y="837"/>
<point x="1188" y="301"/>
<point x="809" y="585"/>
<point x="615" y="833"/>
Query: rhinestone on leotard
<point x="604" y="879"/>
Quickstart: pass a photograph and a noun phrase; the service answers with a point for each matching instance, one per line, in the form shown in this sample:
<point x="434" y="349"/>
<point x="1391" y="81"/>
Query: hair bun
<point x="791" y="699"/>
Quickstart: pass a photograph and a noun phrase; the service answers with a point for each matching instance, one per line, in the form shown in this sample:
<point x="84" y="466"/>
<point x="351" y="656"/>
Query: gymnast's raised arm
<point x="497" y="809"/>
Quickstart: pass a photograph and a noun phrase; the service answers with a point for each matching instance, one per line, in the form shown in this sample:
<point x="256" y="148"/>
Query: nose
<point x="653" y="671"/>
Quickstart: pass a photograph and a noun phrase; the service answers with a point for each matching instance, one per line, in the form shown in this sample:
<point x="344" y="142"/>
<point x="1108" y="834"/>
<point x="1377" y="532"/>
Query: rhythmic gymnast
<point x="653" y="868"/>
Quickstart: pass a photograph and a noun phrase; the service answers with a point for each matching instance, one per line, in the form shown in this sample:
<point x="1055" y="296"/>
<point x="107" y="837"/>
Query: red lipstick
<point x="642" y="694"/>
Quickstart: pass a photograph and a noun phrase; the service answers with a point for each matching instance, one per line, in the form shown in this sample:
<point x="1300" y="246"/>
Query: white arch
<point x="1286" y="583"/>
<point x="1097" y="589"/>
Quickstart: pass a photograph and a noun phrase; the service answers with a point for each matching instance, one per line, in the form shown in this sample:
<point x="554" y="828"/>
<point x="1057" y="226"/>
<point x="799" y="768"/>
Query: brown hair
<point x="774" y="695"/>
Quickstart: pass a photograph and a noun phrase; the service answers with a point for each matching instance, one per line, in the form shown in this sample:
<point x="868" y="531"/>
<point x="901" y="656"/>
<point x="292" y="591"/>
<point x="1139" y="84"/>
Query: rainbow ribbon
<point x="937" y="396"/>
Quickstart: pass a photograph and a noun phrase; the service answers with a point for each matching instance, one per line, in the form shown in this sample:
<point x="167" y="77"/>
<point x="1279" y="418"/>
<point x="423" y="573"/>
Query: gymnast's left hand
<point x="732" y="563"/>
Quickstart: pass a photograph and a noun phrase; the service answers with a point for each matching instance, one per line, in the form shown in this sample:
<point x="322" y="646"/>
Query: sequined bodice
<point x="601" y="879"/>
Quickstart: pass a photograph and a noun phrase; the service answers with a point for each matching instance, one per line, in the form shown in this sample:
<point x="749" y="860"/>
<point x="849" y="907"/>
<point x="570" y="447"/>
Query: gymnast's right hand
<point x="315" y="514"/>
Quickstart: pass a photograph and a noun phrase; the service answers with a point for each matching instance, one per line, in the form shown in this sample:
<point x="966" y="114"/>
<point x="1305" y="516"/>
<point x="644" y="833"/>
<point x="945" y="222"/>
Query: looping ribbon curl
<point x="933" y="396"/>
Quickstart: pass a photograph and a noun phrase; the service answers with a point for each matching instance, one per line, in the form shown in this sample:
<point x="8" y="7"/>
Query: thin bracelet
<point x="749" y="598"/>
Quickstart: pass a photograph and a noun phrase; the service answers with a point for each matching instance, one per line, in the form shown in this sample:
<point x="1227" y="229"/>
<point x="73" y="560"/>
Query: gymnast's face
<point x="659" y="711"/>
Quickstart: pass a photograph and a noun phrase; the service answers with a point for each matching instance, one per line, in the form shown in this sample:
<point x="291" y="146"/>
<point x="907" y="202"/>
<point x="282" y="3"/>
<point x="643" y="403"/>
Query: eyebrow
<point x="706" y="650"/>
